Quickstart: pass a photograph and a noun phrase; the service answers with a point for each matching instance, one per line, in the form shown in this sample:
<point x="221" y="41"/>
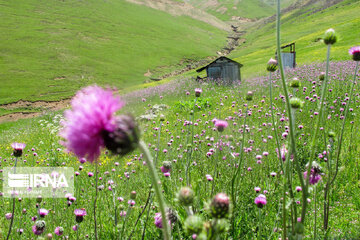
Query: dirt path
<point x="40" y="107"/>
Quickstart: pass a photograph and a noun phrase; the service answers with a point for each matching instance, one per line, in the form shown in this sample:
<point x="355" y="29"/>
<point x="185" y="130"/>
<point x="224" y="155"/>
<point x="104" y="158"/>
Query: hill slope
<point x="305" y="27"/>
<point x="49" y="49"/>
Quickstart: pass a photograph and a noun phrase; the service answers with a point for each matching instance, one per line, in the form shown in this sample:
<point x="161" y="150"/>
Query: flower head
<point x="272" y="65"/>
<point x="43" y="212"/>
<point x="18" y="148"/>
<point x="221" y="125"/>
<point x="91" y="115"/>
<point x="260" y="200"/>
<point x="220" y="206"/>
<point x="198" y="92"/>
<point x="315" y="174"/>
<point x="355" y="52"/>
<point x="59" y="231"/>
<point x="79" y="214"/>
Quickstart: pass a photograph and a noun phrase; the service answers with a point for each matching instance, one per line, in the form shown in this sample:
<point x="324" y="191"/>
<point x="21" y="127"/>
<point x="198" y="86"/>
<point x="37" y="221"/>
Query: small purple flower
<point x="18" y="148"/>
<point x="221" y="125"/>
<point x="43" y="212"/>
<point x="355" y="52"/>
<point x="59" y="231"/>
<point x="198" y="92"/>
<point x="8" y="216"/>
<point x="79" y="214"/>
<point x="260" y="201"/>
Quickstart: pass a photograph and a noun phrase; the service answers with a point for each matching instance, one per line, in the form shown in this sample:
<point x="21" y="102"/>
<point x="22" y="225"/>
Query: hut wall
<point x="228" y="72"/>
<point x="288" y="60"/>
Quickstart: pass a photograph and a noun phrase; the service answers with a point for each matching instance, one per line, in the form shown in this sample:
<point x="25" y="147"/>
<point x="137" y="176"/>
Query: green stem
<point x="13" y="206"/>
<point x="316" y="127"/>
<point x="96" y="194"/>
<point x="156" y="182"/>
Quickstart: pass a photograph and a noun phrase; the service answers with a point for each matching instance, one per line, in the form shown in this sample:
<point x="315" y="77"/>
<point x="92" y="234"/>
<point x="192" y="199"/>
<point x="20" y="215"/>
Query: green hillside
<point x="227" y="9"/>
<point x="49" y="49"/>
<point x="305" y="27"/>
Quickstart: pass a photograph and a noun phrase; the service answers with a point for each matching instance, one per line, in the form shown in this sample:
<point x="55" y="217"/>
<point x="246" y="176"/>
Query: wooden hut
<point x="288" y="55"/>
<point x="224" y="70"/>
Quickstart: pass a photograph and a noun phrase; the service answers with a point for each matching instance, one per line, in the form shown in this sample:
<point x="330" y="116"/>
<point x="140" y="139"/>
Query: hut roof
<point x="220" y="58"/>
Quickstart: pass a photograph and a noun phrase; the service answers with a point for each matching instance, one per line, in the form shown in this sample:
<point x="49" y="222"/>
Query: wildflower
<point x="18" y="148"/>
<point x="315" y="174"/>
<point x="220" y="206"/>
<point x="272" y="65"/>
<point x="257" y="189"/>
<point x="8" y="216"/>
<point x="166" y="167"/>
<point x="355" y="52"/>
<point x="296" y="102"/>
<point x="322" y="76"/>
<point x="59" y="231"/>
<point x="43" y="212"/>
<point x="198" y="92"/>
<point x="158" y="220"/>
<point x="39" y="227"/>
<point x="260" y="201"/>
<point x="194" y="224"/>
<point x="295" y="83"/>
<point x="330" y="37"/>
<point x="75" y="227"/>
<point x="283" y="152"/>
<point x="79" y="214"/>
<point x="186" y="196"/>
<point x="91" y="116"/>
<point x="249" y="95"/>
<point x="221" y="125"/>
<point x="298" y="189"/>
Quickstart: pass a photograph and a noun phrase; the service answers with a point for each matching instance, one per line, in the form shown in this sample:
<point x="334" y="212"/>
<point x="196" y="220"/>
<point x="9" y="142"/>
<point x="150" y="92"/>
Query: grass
<point x="51" y="49"/>
<point x="221" y="103"/>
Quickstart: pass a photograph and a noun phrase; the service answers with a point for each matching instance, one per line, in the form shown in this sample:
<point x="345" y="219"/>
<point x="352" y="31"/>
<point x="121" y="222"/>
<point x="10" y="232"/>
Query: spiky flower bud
<point x="322" y="76"/>
<point x="198" y="92"/>
<point x="330" y="37"/>
<point x="220" y="206"/>
<point x="295" y="83"/>
<point x="166" y="166"/>
<point x="186" y="196"/>
<point x="331" y="134"/>
<point x="355" y="52"/>
<point x="271" y="65"/>
<point x="296" y="103"/>
<point x="171" y="215"/>
<point x="194" y="225"/>
<point x="133" y="195"/>
<point x="124" y="138"/>
<point x="39" y="199"/>
<point x="40" y="225"/>
<point x="249" y="95"/>
<point x="162" y="117"/>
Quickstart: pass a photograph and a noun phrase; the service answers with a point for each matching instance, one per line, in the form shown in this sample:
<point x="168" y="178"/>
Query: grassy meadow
<point x="230" y="161"/>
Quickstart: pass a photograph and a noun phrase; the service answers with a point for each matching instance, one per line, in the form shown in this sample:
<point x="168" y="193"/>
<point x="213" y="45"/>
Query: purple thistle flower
<point x="43" y="212"/>
<point x="198" y="92"/>
<point x="18" y="148"/>
<point x="355" y="52"/>
<point x="260" y="201"/>
<point x="92" y="114"/>
<point x="221" y="125"/>
<point x="59" y="231"/>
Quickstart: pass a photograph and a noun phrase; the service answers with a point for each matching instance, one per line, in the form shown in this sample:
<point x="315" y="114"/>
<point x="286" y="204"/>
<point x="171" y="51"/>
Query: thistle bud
<point x="133" y="195"/>
<point x="249" y="95"/>
<point x="162" y="117"/>
<point x="322" y="76"/>
<point x="295" y="83"/>
<point x="186" y="196"/>
<point x="331" y="134"/>
<point x="124" y="138"/>
<point x="40" y="225"/>
<point x="171" y="215"/>
<point x="220" y="206"/>
<point x="198" y="92"/>
<point x="39" y="199"/>
<point x="194" y="225"/>
<point x="296" y="103"/>
<point x="355" y="52"/>
<point x="330" y="37"/>
<point x="272" y="65"/>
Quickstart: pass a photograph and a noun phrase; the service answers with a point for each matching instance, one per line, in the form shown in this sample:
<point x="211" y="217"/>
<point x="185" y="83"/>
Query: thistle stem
<point x="156" y="182"/>
<point x="13" y="207"/>
<point x="316" y="127"/>
<point x="96" y="194"/>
